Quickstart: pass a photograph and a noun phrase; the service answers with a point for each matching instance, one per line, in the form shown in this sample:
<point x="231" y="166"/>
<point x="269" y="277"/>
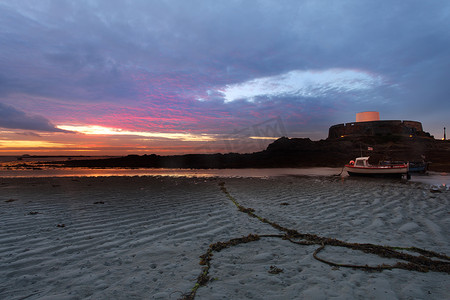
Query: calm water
<point x="433" y="178"/>
<point x="27" y="159"/>
<point x="69" y="172"/>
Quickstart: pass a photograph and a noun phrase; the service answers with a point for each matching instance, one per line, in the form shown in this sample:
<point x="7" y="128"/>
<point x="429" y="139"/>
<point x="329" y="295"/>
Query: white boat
<point x="361" y="167"/>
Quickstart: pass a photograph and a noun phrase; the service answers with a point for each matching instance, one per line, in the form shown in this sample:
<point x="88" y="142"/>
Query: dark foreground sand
<point x="141" y="237"/>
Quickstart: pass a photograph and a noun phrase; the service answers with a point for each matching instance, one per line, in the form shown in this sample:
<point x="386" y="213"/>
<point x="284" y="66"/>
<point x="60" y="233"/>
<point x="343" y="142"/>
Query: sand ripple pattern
<point x="382" y="212"/>
<point x="140" y="237"/>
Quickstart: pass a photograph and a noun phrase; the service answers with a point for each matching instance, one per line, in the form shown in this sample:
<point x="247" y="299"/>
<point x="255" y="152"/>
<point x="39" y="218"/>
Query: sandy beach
<point x="141" y="237"/>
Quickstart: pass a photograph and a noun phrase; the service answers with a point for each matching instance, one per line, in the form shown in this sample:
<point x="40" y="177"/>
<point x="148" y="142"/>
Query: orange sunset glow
<point x="164" y="78"/>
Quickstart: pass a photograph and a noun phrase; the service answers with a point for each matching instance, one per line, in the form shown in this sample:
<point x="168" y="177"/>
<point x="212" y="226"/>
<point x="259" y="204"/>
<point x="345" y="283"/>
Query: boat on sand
<point x="361" y="167"/>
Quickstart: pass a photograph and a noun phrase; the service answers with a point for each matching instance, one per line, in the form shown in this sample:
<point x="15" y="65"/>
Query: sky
<point x="173" y="77"/>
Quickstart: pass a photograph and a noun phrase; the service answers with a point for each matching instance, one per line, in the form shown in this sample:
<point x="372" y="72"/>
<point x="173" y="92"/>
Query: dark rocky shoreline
<point x="294" y="152"/>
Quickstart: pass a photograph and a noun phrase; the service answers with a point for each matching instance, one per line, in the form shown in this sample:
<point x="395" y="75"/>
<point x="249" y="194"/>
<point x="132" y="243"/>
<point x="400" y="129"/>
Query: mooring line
<point x="421" y="263"/>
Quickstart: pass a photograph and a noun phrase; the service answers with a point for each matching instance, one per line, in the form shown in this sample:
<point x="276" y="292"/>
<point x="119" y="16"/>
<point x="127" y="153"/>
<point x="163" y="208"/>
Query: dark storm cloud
<point x="102" y="38"/>
<point x="57" y="55"/>
<point x="12" y="118"/>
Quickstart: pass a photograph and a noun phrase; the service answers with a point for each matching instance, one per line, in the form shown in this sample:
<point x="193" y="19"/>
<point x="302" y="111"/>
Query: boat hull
<point x="391" y="171"/>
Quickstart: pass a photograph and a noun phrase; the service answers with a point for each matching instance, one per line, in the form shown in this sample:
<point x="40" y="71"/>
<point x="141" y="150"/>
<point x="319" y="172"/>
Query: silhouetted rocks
<point x="294" y="152"/>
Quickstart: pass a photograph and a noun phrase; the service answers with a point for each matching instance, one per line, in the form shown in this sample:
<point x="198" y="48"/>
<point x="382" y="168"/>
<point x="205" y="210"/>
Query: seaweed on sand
<point x="420" y="263"/>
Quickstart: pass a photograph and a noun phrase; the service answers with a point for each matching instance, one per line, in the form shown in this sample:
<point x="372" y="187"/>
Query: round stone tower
<point x="368" y="123"/>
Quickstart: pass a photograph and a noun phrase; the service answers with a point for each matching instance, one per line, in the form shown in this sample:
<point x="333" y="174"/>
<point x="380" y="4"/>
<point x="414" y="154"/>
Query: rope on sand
<point x="342" y="170"/>
<point x="421" y="263"/>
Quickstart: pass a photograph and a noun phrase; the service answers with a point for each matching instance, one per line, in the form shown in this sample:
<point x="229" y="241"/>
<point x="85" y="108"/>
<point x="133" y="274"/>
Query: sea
<point x="434" y="179"/>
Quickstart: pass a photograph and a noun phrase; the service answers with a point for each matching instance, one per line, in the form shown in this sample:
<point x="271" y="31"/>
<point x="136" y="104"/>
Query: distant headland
<point x="393" y="140"/>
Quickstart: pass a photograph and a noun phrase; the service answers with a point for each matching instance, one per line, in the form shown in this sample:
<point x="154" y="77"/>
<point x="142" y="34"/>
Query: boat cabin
<point x="361" y="162"/>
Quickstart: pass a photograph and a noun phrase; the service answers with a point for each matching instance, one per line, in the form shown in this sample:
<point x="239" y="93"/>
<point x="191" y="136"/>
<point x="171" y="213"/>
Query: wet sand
<point x="141" y="237"/>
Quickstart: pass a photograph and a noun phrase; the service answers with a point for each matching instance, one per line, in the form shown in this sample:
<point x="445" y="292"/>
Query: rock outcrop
<point x="297" y="152"/>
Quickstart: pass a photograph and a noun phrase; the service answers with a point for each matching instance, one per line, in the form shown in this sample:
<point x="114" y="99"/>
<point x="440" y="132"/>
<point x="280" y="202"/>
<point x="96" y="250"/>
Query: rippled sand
<point x="141" y="237"/>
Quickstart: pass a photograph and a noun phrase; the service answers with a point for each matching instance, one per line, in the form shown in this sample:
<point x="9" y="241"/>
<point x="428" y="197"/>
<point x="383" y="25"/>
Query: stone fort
<point x="369" y="124"/>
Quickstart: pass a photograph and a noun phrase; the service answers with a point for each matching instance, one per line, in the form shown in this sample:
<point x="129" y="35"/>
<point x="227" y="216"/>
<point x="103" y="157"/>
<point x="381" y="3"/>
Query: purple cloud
<point x="12" y="118"/>
<point x="175" y="65"/>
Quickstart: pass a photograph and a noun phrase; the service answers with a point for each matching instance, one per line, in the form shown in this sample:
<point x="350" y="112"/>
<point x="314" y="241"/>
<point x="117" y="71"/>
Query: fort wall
<point x="377" y="128"/>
